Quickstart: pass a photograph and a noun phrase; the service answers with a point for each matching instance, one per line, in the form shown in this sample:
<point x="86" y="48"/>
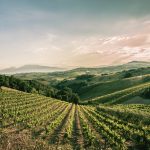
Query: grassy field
<point x="120" y="96"/>
<point x="137" y="100"/>
<point x="103" y="88"/>
<point x="31" y="121"/>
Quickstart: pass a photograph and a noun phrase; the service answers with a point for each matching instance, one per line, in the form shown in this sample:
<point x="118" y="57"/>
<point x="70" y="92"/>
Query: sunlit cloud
<point x="74" y="34"/>
<point x="129" y="47"/>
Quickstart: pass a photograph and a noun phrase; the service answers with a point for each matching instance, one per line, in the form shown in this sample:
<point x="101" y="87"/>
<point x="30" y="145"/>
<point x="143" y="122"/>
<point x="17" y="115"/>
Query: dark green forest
<point x="32" y="86"/>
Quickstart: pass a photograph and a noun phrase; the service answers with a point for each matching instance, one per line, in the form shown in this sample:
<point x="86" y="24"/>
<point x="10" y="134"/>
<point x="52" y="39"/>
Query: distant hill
<point x="30" y="68"/>
<point x="69" y="74"/>
<point x="54" y="77"/>
<point x="74" y="72"/>
<point x="137" y="64"/>
<point x="112" y="69"/>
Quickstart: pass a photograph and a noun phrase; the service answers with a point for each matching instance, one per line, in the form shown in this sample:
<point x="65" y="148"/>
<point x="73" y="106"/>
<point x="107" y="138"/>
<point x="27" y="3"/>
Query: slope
<point x="31" y="121"/>
<point x="55" y="77"/>
<point x="120" y="96"/>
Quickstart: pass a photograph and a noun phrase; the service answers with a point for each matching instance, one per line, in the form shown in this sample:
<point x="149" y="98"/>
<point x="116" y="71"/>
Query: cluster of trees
<point x="146" y="93"/>
<point x="10" y="81"/>
<point x="86" y="77"/>
<point x="135" y="72"/>
<point x="32" y="86"/>
<point x="77" y="83"/>
<point x="127" y="74"/>
<point x="146" y="79"/>
<point x="67" y="94"/>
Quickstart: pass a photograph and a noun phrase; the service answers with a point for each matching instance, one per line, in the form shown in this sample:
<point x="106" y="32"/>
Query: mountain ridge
<point x="30" y="68"/>
<point x="40" y="68"/>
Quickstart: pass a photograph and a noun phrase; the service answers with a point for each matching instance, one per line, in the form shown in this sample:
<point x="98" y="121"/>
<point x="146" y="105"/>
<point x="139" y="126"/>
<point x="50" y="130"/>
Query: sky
<point x="74" y="33"/>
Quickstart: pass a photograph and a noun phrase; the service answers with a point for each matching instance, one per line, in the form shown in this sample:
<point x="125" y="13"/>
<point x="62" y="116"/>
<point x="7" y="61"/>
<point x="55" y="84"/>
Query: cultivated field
<point x="30" y="121"/>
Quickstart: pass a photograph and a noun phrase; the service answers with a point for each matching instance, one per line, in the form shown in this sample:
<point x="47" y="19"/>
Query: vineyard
<point x="61" y="125"/>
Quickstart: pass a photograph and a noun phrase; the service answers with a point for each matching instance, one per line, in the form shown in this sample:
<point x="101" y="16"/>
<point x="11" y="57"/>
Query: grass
<point x="121" y="95"/>
<point x="137" y="100"/>
<point x="104" y="88"/>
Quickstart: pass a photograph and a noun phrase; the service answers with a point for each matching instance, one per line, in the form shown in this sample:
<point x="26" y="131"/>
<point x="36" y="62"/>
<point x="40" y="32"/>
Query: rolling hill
<point x="32" y="121"/>
<point x="54" y="78"/>
<point x="121" y="96"/>
<point x="96" y="82"/>
<point x="30" y="68"/>
<point x="113" y="112"/>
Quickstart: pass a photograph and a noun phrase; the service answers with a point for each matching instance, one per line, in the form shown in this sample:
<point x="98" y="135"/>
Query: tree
<point x="75" y="98"/>
<point x="32" y="86"/>
<point x="34" y="91"/>
<point x="127" y="75"/>
<point x="146" y="93"/>
<point x="2" y="80"/>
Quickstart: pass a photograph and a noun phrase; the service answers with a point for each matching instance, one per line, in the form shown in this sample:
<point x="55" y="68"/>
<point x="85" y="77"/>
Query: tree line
<point x="32" y="86"/>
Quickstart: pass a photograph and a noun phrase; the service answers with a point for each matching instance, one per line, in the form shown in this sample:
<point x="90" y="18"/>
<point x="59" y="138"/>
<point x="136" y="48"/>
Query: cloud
<point x="47" y="37"/>
<point x="100" y="50"/>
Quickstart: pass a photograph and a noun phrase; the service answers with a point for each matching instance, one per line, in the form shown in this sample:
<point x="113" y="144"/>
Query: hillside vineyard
<point x="65" y="125"/>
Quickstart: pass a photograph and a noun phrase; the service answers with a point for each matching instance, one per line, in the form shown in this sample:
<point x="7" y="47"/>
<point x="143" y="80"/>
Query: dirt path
<point x="78" y="136"/>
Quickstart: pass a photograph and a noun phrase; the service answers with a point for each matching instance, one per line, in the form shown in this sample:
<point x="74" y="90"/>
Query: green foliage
<point x="146" y="93"/>
<point x="104" y="127"/>
<point x="122" y="95"/>
<point x="75" y="98"/>
<point x="67" y="95"/>
<point x="75" y="85"/>
<point x="87" y="77"/>
<point x="90" y="83"/>
<point x="32" y="86"/>
<point x="127" y="74"/>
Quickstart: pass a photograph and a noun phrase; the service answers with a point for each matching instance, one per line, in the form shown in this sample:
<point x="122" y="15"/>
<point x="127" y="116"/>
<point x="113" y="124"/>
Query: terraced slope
<point x="101" y="88"/>
<point x="30" y="121"/>
<point x="120" y="96"/>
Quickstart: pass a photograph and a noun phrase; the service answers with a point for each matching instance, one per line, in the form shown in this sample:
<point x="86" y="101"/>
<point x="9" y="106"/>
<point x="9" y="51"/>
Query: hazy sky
<point x="74" y="32"/>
